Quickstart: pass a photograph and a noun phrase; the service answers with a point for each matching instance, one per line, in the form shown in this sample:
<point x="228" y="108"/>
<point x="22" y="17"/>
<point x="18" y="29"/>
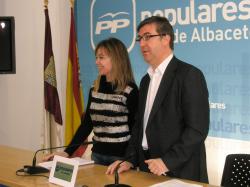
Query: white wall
<point x="21" y="94"/>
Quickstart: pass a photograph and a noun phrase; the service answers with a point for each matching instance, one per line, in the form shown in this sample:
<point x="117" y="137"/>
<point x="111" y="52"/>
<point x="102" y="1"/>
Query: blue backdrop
<point x="212" y="35"/>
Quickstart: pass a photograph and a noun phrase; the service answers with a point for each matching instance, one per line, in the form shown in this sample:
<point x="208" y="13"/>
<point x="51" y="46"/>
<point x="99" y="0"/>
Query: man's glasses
<point x="146" y="37"/>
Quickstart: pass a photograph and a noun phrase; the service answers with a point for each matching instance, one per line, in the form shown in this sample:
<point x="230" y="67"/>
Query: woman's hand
<point x="51" y="156"/>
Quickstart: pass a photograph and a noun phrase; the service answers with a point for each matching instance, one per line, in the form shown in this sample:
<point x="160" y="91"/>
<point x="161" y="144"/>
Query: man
<point x="173" y="112"/>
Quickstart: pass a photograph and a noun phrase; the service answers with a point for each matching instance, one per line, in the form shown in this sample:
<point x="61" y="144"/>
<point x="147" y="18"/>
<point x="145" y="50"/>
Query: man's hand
<point x="157" y="166"/>
<point x="125" y="166"/>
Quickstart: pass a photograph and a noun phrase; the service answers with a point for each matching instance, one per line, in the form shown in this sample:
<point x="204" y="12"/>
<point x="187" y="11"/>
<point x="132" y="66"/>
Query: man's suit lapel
<point x="143" y="96"/>
<point x="164" y="87"/>
<point x="142" y="102"/>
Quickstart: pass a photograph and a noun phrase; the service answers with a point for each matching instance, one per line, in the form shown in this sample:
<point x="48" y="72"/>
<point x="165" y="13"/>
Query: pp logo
<point x="111" y="18"/>
<point x="113" y="25"/>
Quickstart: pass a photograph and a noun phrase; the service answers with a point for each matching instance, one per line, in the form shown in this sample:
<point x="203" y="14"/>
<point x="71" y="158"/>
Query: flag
<point x="52" y="131"/>
<point x="74" y="96"/>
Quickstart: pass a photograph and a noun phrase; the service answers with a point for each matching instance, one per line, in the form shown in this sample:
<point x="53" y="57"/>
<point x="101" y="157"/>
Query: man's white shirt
<point x="155" y="80"/>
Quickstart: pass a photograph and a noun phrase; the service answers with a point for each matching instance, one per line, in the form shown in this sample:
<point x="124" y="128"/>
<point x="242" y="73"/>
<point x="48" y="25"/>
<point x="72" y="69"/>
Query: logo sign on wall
<point x="210" y="34"/>
<point x="118" y="21"/>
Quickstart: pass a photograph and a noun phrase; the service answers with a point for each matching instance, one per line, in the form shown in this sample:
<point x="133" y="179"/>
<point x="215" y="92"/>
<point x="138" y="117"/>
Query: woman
<point x="111" y="106"/>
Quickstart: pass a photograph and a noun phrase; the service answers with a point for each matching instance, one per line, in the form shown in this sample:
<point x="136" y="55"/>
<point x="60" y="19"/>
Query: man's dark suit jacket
<point x="178" y="123"/>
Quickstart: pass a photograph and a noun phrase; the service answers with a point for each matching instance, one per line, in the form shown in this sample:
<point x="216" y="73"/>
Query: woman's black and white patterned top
<point x="111" y="116"/>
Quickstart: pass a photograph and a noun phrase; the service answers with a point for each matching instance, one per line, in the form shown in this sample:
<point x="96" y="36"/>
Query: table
<point x="12" y="159"/>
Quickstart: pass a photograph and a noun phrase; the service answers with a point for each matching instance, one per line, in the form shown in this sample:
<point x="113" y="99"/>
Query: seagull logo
<point x="118" y="20"/>
<point x="113" y="14"/>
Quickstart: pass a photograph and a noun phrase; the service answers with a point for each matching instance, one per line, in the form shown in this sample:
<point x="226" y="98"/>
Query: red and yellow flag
<point x="74" y="96"/>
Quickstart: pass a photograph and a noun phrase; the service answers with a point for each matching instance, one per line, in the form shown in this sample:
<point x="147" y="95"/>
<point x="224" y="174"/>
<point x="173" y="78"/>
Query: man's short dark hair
<point x="162" y="27"/>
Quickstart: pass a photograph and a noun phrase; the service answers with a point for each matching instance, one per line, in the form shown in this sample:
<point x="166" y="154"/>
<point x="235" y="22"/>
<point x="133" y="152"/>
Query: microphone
<point x="33" y="169"/>
<point x="116" y="184"/>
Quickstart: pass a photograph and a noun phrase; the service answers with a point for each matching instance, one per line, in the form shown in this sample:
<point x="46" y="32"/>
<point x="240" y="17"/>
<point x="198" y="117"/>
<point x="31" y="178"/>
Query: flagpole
<point x="44" y="134"/>
<point x="46" y="2"/>
<point x="72" y="3"/>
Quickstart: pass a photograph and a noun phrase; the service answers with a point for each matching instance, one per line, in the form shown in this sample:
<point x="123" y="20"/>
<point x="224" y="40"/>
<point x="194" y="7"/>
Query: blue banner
<point x="212" y="35"/>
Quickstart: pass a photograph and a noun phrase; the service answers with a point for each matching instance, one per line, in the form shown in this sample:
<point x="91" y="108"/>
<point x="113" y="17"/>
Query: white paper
<point x="175" y="183"/>
<point x="81" y="161"/>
